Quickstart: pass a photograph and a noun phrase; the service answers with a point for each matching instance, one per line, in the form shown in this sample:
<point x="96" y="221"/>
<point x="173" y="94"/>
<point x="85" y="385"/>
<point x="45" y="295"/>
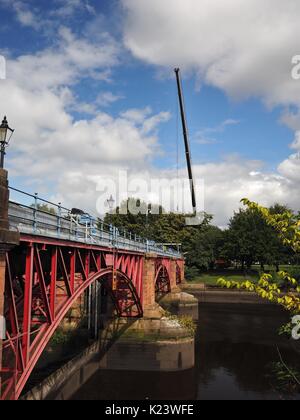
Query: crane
<point x="186" y="140"/>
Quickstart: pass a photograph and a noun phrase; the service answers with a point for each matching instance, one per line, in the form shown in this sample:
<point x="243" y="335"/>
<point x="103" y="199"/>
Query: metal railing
<point x="60" y="223"/>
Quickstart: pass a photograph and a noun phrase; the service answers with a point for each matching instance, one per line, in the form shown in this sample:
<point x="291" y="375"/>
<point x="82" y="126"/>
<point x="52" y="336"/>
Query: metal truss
<point x="162" y="277"/>
<point x="44" y="278"/>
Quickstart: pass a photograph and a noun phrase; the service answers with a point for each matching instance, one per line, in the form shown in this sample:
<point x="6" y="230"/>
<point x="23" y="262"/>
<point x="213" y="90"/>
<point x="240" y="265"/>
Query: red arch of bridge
<point x="34" y="316"/>
<point x="47" y="332"/>
<point x="162" y="280"/>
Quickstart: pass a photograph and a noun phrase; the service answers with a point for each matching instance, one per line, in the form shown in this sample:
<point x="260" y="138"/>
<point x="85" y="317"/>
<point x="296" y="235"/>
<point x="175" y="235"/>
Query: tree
<point x="135" y="216"/>
<point x="287" y="226"/>
<point x="250" y="239"/>
<point x="153" y="223"/>
<point x="205" y="248"/>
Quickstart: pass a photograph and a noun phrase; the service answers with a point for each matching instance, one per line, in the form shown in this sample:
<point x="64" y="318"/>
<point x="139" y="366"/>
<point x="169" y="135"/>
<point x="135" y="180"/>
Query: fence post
<point x="71" y="226"/>
<point x="101" y="230"/>
<point x="86" y="231"/>
<point x="59" y="220"/>
<point x="35" y="212"/>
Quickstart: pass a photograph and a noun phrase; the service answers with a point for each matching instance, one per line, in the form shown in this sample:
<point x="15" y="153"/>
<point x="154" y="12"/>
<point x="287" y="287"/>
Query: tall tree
<point x="250" y="239"/>
<point x="205" y="247"/>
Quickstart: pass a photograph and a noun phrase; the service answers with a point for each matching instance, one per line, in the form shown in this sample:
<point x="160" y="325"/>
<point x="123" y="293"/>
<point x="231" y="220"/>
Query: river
<point x="237" y="354"/>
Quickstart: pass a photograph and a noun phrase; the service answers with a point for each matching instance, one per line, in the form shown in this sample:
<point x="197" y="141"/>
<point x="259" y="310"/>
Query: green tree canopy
<point x="250" y="239"/>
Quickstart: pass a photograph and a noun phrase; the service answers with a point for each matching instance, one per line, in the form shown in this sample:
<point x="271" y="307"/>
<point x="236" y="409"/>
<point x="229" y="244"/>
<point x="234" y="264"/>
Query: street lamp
<point x="111" y="203"/>
<point x="5" y="135"/>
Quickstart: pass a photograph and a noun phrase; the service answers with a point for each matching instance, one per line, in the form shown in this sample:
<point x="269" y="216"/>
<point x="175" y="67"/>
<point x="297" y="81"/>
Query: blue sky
<point x="238" y="121"/>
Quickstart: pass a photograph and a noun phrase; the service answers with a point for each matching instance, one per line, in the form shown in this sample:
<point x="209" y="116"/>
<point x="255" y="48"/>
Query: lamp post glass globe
<point x="5" y="131"/>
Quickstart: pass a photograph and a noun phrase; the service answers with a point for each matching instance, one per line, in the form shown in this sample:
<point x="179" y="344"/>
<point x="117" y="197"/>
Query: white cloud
<point x="105" y="99"/>
<point x="24" y="13"/>
<point x="65" y="62"/>
<point x="67" y="8"/>
<point x="203" y="137"/>
<point x="25" y="16"/>
<point x="49" y="146"/>
<point x="243" y="47"/>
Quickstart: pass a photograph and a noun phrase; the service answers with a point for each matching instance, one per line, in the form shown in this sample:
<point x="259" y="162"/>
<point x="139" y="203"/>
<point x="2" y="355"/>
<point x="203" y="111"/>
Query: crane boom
<point x="186" y="140"/>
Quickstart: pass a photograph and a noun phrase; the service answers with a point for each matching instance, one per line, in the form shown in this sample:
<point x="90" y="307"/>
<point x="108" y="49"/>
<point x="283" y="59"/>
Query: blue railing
<point x="28" y="217"/>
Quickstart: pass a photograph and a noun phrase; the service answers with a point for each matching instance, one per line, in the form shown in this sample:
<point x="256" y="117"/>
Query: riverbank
<point x="208" y="294"/>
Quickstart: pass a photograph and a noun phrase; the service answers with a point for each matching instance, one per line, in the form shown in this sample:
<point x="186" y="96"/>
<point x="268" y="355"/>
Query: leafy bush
<point x="184" y="321"/>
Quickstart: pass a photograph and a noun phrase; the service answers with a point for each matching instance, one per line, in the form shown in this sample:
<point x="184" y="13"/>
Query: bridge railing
<point x="31" y="214"/>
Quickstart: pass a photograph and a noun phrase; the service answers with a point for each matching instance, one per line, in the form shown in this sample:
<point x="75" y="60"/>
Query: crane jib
<point x="186" y="140"/>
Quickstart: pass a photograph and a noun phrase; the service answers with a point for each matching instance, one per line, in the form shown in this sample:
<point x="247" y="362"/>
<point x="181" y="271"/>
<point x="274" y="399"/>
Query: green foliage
<point x="204" y="247"/>
<point x="184" y="321"/>
<point x="287" y="225"/>
<point x="45" y="208"/>
<point x="285" y="379"/>
<point x="188" y="323"/>
<point x="286" y="329"/>
<point x="250" y="239"/>
<point x="153" y="223"/>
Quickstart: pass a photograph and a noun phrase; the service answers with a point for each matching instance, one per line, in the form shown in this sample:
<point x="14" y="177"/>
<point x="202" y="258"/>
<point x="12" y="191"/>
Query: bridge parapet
<point x="29" y="218"/>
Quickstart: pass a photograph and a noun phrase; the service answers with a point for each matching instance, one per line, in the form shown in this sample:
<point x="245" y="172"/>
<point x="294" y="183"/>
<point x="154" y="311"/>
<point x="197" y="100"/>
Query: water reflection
<point x="112" y="385"/>
<point x="236" y="350"/>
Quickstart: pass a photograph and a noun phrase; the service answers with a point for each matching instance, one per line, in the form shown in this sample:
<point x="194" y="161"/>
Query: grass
<point x="211" y="278"/>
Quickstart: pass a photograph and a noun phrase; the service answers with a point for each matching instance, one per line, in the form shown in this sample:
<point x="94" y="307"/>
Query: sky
<point x="90" y="91"/>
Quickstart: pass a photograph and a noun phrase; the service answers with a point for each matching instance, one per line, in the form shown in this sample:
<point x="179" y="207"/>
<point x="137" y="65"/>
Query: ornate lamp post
<point x="5" y="136"/>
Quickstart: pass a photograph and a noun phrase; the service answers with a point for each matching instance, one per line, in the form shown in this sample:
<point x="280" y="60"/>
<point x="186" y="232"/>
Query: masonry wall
<point x="173" y="272"/>
<point x="148" y="298"/>
<point x="3" y="229"/>
<point x="8" y="240"/>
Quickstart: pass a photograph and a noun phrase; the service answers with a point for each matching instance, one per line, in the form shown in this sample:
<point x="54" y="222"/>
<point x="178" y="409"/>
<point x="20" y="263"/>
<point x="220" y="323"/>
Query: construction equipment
<point x="186" y="140"/>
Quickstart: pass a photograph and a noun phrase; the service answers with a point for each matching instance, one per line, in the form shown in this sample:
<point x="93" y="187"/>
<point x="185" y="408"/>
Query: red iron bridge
<point x="59" y="260"/>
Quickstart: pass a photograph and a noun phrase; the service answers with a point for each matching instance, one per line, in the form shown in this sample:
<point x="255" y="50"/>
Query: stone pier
<point x="8" y="240"/>
<point x="178" y="302"/>
<point x="152" y="309"/>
